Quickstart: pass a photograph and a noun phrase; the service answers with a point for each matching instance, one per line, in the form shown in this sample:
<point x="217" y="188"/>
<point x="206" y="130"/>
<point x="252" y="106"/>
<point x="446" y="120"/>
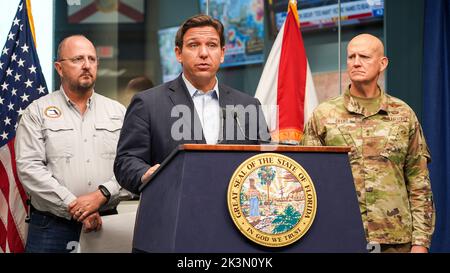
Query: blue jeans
<point x="51" y="234"/>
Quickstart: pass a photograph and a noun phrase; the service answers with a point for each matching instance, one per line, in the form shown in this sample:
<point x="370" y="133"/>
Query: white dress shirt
<point x="208" y="110"/>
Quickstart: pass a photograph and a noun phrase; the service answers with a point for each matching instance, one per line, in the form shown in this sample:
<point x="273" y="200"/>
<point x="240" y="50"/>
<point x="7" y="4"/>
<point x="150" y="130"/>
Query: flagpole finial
<point x="292" y="7"/>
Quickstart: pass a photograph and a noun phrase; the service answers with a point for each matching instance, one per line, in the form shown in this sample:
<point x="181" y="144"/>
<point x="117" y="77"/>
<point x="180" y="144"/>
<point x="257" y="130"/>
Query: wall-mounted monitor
<point x="322" y="14"/>
<point x="171" y="68"/>
<point x="244" y="29"/>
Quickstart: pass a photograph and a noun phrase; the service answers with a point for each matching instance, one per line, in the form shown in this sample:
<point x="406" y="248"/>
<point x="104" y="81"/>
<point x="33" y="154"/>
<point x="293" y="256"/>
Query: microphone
<point x="223" y="122"/>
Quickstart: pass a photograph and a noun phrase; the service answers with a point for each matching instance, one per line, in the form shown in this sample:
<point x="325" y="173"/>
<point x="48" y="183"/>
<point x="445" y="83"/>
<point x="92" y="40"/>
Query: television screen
<point x="171" y="68"/>
<point x="319" y="14"/>
<point x="244" y="29"/>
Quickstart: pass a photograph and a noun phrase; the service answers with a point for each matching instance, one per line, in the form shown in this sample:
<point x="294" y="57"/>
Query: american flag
<point x="21" y="82"/>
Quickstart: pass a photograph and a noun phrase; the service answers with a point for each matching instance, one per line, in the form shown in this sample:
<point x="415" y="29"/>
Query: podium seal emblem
<point x="272" y="200"/>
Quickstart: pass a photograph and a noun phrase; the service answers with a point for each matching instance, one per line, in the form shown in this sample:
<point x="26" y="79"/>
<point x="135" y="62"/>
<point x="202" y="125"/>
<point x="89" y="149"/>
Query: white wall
<point x="43" y="21"/>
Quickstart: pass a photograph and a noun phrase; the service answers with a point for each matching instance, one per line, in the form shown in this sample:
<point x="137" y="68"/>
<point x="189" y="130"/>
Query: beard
<point x="82" y="86"/>
<point x="85" y="86"/>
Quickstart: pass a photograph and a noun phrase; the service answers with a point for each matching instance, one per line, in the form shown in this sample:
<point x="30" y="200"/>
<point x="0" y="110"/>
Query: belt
<point x="51" y="215"/>
<point x="48" y="214"/>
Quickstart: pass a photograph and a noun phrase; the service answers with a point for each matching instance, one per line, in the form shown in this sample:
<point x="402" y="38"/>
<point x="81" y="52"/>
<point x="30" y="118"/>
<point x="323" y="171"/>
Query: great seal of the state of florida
<point x="272" y="200"/>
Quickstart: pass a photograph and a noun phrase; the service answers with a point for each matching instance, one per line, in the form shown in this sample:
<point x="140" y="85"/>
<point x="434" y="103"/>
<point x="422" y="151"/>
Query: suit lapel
<point x="225" y="98"/>
<point x="179" y="95"/>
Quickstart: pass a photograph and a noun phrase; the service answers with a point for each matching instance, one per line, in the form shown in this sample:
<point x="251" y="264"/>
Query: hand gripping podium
<point x="184" y="209"/>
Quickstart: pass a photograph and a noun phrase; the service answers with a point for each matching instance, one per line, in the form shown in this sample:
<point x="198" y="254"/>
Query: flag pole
<point x="295" y="12"/>
<point x="31" y="21"/>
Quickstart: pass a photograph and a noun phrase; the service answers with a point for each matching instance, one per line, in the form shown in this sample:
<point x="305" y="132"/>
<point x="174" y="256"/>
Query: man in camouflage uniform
<point x="388" y="155"/>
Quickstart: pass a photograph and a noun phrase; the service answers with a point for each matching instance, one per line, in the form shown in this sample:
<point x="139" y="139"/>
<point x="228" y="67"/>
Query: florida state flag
<point x="286" y="83"/>
<point x="105" y="11"/>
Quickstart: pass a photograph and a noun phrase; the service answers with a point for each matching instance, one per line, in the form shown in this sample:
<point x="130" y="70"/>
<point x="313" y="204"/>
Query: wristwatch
<point x="105" y="192"/>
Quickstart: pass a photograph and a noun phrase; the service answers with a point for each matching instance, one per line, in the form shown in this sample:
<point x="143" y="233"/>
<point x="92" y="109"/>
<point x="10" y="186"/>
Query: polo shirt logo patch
<point x="52" y="112"/>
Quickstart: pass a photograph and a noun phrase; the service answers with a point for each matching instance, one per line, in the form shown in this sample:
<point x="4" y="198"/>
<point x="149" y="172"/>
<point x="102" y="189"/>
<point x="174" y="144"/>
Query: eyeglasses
<point x="81" y="60"/>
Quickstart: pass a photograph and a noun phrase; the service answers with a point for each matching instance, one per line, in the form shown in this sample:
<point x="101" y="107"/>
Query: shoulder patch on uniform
<point x="52" y="112"/>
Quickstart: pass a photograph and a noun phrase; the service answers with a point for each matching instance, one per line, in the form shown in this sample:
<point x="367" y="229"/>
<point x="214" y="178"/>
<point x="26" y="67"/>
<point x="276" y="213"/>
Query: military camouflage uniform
<point x="389" y="159"/>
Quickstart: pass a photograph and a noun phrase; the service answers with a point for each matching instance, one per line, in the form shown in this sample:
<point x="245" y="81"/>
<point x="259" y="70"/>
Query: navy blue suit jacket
<point x="146" y="136"/>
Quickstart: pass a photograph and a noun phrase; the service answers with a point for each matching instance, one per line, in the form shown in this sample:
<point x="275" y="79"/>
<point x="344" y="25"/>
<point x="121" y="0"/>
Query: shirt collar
<point x="70" y="103"/>
<point x="352" y="105"/>
<point x="195" y="92"/>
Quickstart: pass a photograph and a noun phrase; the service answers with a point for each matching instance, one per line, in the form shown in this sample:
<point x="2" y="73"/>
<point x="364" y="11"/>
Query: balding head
<point x="67" y="40"/>
<point x="365" y="59"/>
<point x="77" y="64"/>
<point x="370" y="42"/>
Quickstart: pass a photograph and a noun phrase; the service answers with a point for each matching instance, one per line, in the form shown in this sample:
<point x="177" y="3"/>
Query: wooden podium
<point x="183" y="209"/>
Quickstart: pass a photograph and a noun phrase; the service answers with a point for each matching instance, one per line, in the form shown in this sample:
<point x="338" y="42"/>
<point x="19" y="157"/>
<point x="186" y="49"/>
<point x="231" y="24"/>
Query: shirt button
<point x="87" y="161"/>
<point x="85" y="140"/>
<point x="89" y="183"/>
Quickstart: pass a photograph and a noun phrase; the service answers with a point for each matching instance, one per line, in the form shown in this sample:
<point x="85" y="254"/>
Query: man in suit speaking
<point x="194" y="108"/>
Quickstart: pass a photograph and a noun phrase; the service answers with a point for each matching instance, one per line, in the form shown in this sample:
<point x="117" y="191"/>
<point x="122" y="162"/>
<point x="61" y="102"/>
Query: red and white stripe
<point x="286" y="89"/>
<point x="13" y="229"/>
<point x="126" y="11"/>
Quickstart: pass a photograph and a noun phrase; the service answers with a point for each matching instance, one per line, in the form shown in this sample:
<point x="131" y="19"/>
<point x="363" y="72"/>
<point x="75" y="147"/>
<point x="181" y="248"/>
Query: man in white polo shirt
<point x="65" y="148"/>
